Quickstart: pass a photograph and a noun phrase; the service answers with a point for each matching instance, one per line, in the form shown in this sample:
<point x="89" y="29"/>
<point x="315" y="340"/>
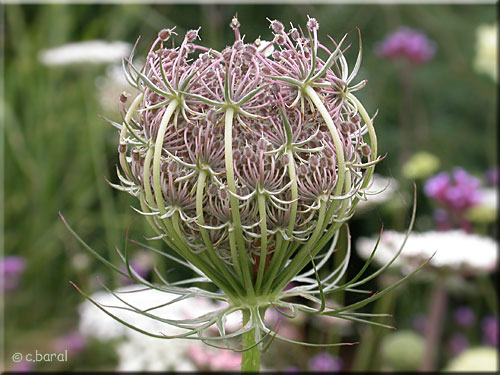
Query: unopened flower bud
<point x="262" y="144"/>
<point x="285" y="160"/>
<point x="164" y="34"/>
<point x="212" y="190"/>
<point x="344" y="127"/>
<point x="365" y="150"/>
<point x="328" y="152"/>
<point x="123" y="97"/>
<point x="172" y="167"/>
<point x="277" y="26"/>
<point x="191" y="35"/>
<point x="223" y="194"/>
<point x="236" y="155"/>
<point x="314" y="162"/>
<point x="235" y="24"/>
<point x="279" y="39"/>
<point x="312" y="24"/>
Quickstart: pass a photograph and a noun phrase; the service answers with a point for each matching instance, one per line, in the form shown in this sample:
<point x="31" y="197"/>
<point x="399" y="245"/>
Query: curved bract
<point x="246" y="164"/>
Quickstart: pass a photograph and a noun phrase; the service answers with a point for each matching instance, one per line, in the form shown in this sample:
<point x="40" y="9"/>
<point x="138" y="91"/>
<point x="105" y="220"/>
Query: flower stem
<point x="434" y="328"/>
<point x="250" y="360"/>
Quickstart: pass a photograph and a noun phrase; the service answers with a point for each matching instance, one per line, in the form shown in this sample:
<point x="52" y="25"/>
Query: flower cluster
<point x="407" y="44"/>
<point x="486" y="60"/>
<point x="380" y="189"/>
<point x="11" y="268"/>
<point x="238" y="158"/>
<point x="88" y="52"/>
<point x="451" y="250"/>
<point x="457" y="192"/>
<point x="138" y="352"/>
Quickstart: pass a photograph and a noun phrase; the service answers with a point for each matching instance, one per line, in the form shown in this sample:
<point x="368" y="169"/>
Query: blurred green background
<point x="59" y="152"/>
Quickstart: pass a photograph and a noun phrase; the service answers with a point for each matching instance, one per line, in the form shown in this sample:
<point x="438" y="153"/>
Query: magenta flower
<point x="406" y="44"/>
<point x="325" y="362"/>
<point x="464" y="316"/>
<point x="140" y="268"/>
<point x="12" y="268"/>
<point x="489" y="326"/>
<point x="457" y="192"/>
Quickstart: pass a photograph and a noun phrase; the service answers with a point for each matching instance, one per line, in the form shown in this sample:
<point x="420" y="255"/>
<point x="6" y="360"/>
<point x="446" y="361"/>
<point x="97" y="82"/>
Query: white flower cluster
<point x="139" y="352"/>
<point x="379" y="190"/>
<point x="486" y="50"/>
<point x="88" y="52"/>
<point x="455" y="250"/>
<point x="489" y="198"/>
<point x="110" y="86"/>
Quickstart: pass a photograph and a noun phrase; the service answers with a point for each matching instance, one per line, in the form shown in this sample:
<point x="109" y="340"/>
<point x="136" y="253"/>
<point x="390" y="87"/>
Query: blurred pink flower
<point x="406" y="44"/>
<point x="456" y="192"/>
<point x="11" y="268"/>
<point x="225" y="360"/>
<point x="73" y="342"/>
<point x="199" y="355"/>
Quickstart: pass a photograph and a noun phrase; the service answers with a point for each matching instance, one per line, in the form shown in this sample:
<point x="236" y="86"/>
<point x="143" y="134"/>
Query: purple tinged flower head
<point x="489" y="326"/>
<point x="406" y="44"/>
<point x="11" y="267"/>
<point x="325" y="362"/>
<point x="456" y="192"/>
<point x="236" y="155"/>
<point x="464" y="316"/>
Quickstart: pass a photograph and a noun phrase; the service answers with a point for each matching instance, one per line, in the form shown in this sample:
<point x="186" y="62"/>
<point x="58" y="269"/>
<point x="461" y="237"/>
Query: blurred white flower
<point x="264" y="47"/>
<point x="475" y="359"/>
<point x="88" y="52"/>
<point x="486" y="210"/>
<point x="110" y="86"/>
<point x="379" y="190"/>
<point x="489" y="198"/>
<point x="486" y="50"/>
<point x="139" y="352"/>
<point x="455" y="250"/>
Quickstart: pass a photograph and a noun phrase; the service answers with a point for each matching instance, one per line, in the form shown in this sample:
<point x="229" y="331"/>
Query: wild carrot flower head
<point x="246" y="162"/>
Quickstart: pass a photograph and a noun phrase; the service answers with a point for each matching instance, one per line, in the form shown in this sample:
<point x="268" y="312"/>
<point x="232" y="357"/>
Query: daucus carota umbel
<point x="246" y="163"/>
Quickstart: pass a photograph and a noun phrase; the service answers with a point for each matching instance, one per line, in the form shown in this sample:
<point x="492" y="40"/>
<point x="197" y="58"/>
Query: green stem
<point x="235" y="211"/>
<point x="366" y="355"/>
<point x="263" y="240"/>
<point x="250" y="360"/>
